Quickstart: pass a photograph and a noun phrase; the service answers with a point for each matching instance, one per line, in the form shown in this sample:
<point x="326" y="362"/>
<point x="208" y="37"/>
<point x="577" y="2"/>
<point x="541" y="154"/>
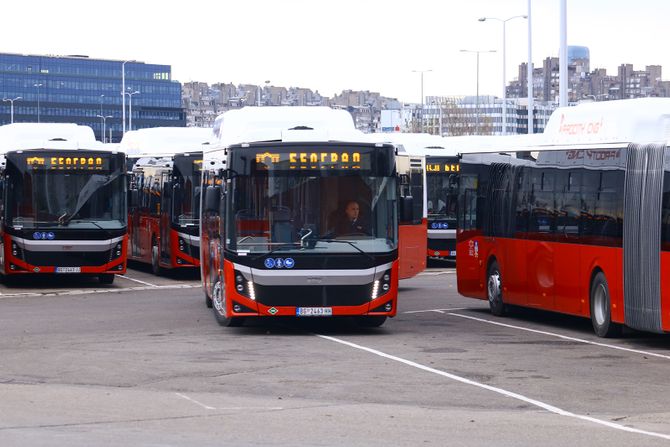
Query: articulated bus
<point x="63" y="202"/>
<point x="576" y="220"/>
<point x="278" y="186"/>
<point x="164" y="204"/>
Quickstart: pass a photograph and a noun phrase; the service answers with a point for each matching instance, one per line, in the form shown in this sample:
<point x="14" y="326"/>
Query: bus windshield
<point x="442" y="189"/>
<point x="186" y="186"/>
<point x="43" y="194"/>
<point x="315" y="208"/>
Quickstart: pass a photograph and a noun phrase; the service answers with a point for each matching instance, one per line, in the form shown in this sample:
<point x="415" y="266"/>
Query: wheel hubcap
<point x="219" y="298"/>
<point x="599" y="303"/>
<point x="494" y="286"/>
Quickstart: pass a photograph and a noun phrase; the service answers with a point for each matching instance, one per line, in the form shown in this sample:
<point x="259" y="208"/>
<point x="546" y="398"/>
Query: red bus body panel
<point x="412" y="246"/>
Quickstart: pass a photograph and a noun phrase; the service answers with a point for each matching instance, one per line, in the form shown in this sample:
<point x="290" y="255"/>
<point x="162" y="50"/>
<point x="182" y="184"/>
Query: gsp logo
<point x="279" y="263"/>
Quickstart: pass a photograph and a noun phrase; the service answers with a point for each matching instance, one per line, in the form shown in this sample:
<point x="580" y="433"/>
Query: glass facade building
<point x="81" y="90"/>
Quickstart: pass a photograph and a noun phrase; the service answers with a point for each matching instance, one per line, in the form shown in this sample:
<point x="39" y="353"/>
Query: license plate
<point x="68" y="269"/>
<point x="314" y="311"/>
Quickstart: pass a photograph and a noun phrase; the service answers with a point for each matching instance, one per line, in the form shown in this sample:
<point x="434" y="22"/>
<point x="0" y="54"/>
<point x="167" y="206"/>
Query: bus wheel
<point x="494" y="290"/>
<point x="219" y="306"/>
<point x="106" y="278"/>
<point x="155" y="258"/>
<point x="601" y="316"/>
<point x="370" y="321"/>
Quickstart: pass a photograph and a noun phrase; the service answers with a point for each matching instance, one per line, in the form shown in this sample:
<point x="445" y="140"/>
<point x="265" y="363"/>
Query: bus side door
<point x="540" y="245"/>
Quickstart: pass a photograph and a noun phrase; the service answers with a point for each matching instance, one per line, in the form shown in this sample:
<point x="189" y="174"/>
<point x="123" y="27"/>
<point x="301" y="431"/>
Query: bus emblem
<point x="272" y="310"/>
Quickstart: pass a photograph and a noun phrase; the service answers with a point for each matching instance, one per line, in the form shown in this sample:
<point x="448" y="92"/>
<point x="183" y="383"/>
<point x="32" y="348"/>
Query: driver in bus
<point x="351" y="222"/>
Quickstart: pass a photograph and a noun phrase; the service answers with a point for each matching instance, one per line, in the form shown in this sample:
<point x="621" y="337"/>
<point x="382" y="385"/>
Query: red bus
<point x="271" y="222"/>
<point x="63" y="202"/>
<point x="413" y="235"/>
<point x="576" y="220"/>
<point x="164" y="204"/>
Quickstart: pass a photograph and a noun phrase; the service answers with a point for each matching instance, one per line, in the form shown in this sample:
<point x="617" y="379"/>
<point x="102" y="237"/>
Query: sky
<point x="331" y="46"/>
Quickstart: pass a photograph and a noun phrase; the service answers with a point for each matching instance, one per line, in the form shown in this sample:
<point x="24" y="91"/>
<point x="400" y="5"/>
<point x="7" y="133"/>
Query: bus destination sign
<point x="85" y="163"/>
<point x="313" y="160"/>
<point x="443" y="167"/>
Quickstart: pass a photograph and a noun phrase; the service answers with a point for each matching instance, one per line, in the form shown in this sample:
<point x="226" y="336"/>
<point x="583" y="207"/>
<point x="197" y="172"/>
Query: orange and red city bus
<point x="576" y="220"/>
<point x="63" y="202"/>
<point x="276" y="183"/>
<point x="164" y="204"/>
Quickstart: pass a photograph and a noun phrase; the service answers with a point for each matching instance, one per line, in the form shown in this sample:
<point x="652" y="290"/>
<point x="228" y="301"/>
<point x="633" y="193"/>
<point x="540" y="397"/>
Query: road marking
<point x="564" y="337"/>
<point x="439" y="311"/>
<point x="137" y="280"/>
<point x="87" y="291"/>
<point x="501" y="391"/>
<point x="207" y="407"/>
<point x="443" y="272"/>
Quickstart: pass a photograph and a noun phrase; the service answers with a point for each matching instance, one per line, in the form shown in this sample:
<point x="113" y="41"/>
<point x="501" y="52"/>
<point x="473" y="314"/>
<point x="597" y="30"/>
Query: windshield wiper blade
<point x="339" y="241"/>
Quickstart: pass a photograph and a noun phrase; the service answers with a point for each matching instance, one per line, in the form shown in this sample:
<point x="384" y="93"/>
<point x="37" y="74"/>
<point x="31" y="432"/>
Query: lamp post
<point x="422" y="72"/>
<point x="130" y="108"/>
<point x="104" y="119"/>
<point x="11" y="107"/>
<point x="504" y="107"/>
<point x="38" y="85"/>
<point x="123" y="96"/>
<point x="477" y="98"/>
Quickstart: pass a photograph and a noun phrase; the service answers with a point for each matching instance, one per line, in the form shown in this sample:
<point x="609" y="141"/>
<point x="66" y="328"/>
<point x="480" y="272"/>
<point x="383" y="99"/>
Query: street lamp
<point x="123" y="96"/>
<point x="422" y="72"/>
<point x="11" y="106"/>
<point x="104" y="119"/>
<point x="477" y="100"/>
<point x="130" y="108"/>
<point x="38" y="85"/>
<point x="504" y="108"/>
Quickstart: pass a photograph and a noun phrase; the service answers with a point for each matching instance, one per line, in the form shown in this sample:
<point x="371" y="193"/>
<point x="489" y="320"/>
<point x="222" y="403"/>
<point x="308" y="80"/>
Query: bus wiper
<point x="339" y="241"/>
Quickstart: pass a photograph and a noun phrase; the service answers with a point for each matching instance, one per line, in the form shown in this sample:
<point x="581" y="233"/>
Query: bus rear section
<point x="302" y="230"/>
<point x="64" y="213"/>
<point x="412" y="234"/>
<point x="575" y="225"/>
<point x="164" y="211"/>
<point x="442" y="201"/>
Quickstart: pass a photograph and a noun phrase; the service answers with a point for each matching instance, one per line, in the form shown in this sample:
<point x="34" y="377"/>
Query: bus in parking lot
<point x="576" y="220"/>
<point x="63" y="202"/>
<point x="277" y="235"/>
<point x="164" y="206"/>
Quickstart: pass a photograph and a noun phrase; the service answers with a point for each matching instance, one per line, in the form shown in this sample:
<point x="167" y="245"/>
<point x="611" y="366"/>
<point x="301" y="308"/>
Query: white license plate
<point x="314" y="311"/>
<point x="68" y="269"/>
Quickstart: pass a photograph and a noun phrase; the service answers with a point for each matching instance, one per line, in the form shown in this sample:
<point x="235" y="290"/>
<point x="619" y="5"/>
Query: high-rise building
<point x="82" y="90"/>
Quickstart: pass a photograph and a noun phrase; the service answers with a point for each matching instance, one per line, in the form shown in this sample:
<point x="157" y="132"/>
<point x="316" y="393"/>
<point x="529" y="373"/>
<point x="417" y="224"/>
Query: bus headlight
<point x="244" y="287"/>
<point x="381" y="286"/>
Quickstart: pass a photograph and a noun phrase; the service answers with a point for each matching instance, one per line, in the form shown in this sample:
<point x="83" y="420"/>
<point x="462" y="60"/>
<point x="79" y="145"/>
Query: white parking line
<point x="564" y="337"/>
<point x="537" y="403"/>
<point x="88" y="291"/>
<point x="207" y="407"/>
<point x="137" y="280"/>
<point x="439" y="311"/>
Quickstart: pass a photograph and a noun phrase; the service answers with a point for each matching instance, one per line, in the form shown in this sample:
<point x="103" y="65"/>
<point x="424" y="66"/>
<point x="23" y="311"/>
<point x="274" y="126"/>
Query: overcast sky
<point x="330" y="46"/>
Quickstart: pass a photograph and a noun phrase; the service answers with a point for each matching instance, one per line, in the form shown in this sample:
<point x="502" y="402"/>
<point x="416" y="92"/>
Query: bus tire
<point x="155" y="258"/>
<point x="494" y="290"/>
<point x="601" y="315"/>
<point x="219" y="306"/>
<point x="370" y="321"/>
<point x="106" y="278"/>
